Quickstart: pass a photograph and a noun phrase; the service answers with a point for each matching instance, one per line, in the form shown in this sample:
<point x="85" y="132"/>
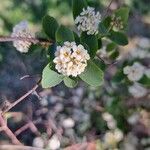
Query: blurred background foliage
<point x="13" y="65"/>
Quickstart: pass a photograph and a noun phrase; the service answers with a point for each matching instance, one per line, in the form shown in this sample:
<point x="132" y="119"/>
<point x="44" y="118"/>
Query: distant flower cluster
<point x="134" y="72"/>
<point x="88" y="21"/>
<point x="71" y="59"/>
<point x="114" y="135"/>
<point x="137" y="90"/>
<point x="21" y="30"/>
<point x="141" y="49"/>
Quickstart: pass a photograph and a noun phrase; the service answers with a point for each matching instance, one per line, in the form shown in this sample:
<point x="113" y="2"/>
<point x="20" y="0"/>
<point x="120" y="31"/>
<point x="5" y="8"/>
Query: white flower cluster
<point x="141" y="49"/>
<point x="111" y="138"/>
<point x="103" y="53"/>
<point x="137" y="90"/>
<point x="144" y="43"/>
<point x="68" y="123"/>
<point x="139" y="53"/>
<point x="71" y="59"/>
<point x="111" y="122"/>
<point x="54" y="143"/>
<point x="88" y="20"/>
<point x="22" y="30"/>
<point x="134" y="72"/>
<point x="38" y="142"/>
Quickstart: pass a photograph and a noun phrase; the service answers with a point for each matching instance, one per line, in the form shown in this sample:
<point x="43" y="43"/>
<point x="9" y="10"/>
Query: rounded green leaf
<point x="69" y="82"/>
<point x="145" y="81"/>
<point x="92" y="75"/>
<point x="50" y="78"/>
<point x="50" y="26"/>
<point x="123" y="13"/>
<point x="91" y="41"/>
<point x="104" y="26"/>
<point x="78" y="6"/>
<point x="118" y="37"/>
<point x="64" y="34"/>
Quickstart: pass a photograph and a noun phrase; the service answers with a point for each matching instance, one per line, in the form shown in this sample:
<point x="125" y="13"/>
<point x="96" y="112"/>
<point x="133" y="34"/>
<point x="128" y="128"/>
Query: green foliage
<point x="92" y="75"/>
<point x="50" y="26"/>
<point x="145" y="81"/>
<point x="104" y="26"/>
<point x="118" y="37"/>
<point x="50" y="78"/>
<point x="91" y="41"/>
<point x="123" y="13"/>
<point x="78" y="6"/>
<point x="64" y="34"/>
<point x="70" y="82"/>
<point x="111" y="46"/>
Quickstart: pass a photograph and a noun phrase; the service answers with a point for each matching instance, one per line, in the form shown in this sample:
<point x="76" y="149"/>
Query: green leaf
<point x="69" y="82"/>
<point x="123" y="12"/>
<point x="114" y="54"/>
<point x="76" y="37"/>
<point x="118" y="77"/>
<point x="64" y="34"/>
<point x="91" y="41"/>
<point x="100" y="64"/>
<point x="111" y="47"/>
<point x="145" y="81"/>
<point x="118" y="37"/>
<point x="50" y="78"/>
<point x="92" y="75"/>
<point x="104" y="26"/>
<point x="50" y="26"/>
<point x="78" y="6"/>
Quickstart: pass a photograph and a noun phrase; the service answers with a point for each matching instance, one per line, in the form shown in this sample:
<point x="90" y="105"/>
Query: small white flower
<point x="103" y="53"/>
<point x="44" y="101"/>
<point x="22" y="30"/>
<point x="111" y="138"/>
<point x="38" y="142"/>
<point x="147" y="72"/>
<point x="144" y="43"/>
<point x="54" y="143"/>
<point x="139" y="53"/>
<point x="107" y="116"/>
<point x="137" y="91"/>
<point x="134" y="72"/>
<point x="68" y="123"/>
<point x="88" y="20"/>
<point x="71" y="59"/>
<point x="111" y="123"/>
<point x="118" y="134"/>
<point x="133" y="119"/>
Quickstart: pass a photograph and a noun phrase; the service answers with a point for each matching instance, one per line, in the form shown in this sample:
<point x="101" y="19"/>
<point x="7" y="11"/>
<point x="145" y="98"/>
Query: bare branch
<point x="21" y="98"/>
<point x="107" y="9"/>
<point x="32" y="40"/>
<point x="8" y="131"/>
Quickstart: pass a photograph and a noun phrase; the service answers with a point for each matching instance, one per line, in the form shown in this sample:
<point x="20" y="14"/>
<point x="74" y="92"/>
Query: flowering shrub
<point x="85" y="53"/>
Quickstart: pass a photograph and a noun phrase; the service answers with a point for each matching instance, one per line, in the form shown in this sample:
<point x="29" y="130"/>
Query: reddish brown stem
<point x="32" y="40"/>
<point x="8" y="131"/>
<point x="20" y="99"/>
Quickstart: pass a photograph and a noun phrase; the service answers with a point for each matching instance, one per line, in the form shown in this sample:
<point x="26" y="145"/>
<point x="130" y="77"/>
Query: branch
<point x="31" y="126"/>
<point x="8" y="131"/>
<point x="21" y="98"/>
<point x="32" y="40"/>
<point x="18" y="147"/>
<point x="107" y="9"/>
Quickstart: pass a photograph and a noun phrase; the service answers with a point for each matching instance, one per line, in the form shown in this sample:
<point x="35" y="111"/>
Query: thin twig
<point x="31" y="125"/>
<point x="8" y="131"/>
<point x="18" y="147"/>
<point x="107" y="9"/>
<point x="33" y="40"/>
<point x="21" y="98"/>
<point x="109" y="64"/>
